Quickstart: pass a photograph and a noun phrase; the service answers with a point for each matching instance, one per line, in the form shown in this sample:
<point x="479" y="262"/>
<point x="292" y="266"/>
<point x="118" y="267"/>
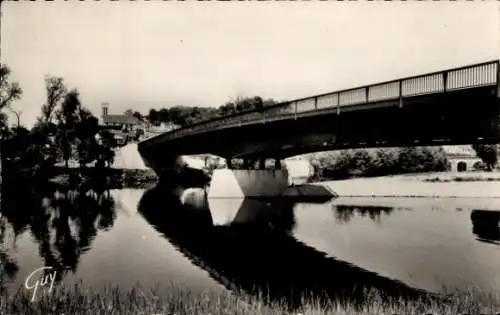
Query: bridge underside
<point x="461" y="117"/>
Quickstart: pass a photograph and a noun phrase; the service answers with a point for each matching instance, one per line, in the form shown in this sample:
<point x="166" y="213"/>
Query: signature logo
<point x="42" y="281"/>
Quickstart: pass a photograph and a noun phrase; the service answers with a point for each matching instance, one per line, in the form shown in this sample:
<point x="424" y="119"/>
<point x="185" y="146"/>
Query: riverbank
<point x="115" y="178"/>
<point x="79" y="300"/>
<point x="436" y="184"/>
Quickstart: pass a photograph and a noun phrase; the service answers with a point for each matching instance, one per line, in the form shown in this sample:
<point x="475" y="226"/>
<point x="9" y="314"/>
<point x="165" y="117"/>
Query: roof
<point x="120" y="119"/>
<point x="459" y="150"/>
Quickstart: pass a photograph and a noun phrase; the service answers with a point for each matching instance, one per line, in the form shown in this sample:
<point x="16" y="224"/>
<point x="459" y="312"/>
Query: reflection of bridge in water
<point x="262" y="257"/>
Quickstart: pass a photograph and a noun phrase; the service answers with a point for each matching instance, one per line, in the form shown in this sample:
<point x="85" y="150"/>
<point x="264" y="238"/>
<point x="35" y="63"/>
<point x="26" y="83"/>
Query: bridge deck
<point x="372" y="96"/>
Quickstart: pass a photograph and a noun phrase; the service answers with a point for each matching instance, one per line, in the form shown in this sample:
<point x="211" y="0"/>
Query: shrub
<point x="378" y="162"/>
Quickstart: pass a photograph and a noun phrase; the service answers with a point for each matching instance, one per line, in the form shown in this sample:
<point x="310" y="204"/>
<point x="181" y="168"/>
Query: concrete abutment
<point x="256" y="177"/>
<point x="227" y="183"/>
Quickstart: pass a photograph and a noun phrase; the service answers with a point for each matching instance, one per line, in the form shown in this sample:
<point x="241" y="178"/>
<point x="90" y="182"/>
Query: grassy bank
<point x="78" y="300"/>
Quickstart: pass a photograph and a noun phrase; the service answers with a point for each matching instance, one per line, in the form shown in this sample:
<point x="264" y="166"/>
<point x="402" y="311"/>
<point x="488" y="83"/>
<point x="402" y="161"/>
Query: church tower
<point x="105" y="107"/>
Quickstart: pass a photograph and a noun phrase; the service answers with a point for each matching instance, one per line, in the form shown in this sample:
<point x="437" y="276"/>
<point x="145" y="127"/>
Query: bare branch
<point x="18" y="115"/>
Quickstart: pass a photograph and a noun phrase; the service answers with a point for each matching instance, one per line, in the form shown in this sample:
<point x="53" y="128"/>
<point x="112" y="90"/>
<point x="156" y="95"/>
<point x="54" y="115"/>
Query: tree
<point x="488" y="153"/>
<point x="9" y="92"/>
<point x="129" y="112"/>
<point x="239" y="107"/>
<point x="258" y="103"/>
<point x="223" y="110"/>
<point x="56" y="92"/>
<point x="86" y="129"/>
<point x="231" y="108"/>
<point x="138" y="134"/>
<point x="153" y="117"/>
<point x="164" y="115"/>
<point x="106" y="154"/>
<point x="269" y="102"/>
<point x="43" y="135"/>
<point x="138" y="116"/>
<point x="178" y="115"/>
<point x="66" y="125"/>
<point x="18" y="116"/>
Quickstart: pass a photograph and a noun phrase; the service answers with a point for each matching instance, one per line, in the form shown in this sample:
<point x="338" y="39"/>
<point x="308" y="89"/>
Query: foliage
<point x="378" y="162"/>
<point x="56" y="91"/>
<point x="488" y="153"/>
<point x="67" y="120"/>
<point x="9" y="92"/>
<point x="185" y="115"/>
<point x="65" y="130"/>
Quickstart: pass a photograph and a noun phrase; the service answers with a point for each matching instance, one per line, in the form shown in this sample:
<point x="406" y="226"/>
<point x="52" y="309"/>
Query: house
<point x="462" y="158"/>
<point x="163" y="127"/>
<point x="119" y="122"/>
<point x="127" y="126"/>
<point x="123" y="127"/>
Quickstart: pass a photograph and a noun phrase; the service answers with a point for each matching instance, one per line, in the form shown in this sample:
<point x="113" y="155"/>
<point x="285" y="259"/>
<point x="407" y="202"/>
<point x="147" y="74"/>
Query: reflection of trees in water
<point x="63" y="222"/>
<point x="8" y="265"/>
<point x="259" y="258"/>
<point x="344" y="213"/>
<point x="486" y="226"/>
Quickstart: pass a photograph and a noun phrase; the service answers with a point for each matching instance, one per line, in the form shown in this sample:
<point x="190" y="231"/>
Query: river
<point x="136" y="236"/>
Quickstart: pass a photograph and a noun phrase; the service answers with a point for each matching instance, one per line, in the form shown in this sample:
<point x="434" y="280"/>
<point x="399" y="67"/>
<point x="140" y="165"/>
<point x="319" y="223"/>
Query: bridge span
<point x="449" y="107"/>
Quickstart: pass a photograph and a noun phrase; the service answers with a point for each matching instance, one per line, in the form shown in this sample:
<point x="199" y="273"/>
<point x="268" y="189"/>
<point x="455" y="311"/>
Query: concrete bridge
<point x="449" y="107"/>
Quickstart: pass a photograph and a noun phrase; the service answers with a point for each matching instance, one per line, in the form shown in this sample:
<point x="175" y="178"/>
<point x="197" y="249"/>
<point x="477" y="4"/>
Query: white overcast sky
<point x="158" y="54"/>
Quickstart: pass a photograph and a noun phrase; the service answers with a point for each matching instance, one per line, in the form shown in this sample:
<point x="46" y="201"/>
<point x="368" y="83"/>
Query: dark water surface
<point x="336" y="248"/>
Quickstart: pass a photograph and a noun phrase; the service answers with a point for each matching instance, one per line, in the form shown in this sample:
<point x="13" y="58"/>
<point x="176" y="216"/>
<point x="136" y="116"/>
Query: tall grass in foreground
<point x="79" y="300"/>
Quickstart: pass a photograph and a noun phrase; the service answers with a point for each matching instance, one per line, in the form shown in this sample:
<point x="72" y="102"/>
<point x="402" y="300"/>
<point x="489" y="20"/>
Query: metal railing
<point x="478" y="75"/>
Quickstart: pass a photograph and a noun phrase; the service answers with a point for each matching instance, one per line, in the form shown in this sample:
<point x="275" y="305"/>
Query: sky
<point x="143" y="55"/>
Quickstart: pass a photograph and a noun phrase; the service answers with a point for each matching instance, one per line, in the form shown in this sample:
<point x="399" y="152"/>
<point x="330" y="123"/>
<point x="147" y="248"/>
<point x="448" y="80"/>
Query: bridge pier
<point x="246" y="163"/>
<point x="262" y="164"/>
<point x="229" y="163"/>
<point x="277" y="164"/>
<point x="250" y="181"/>
<point x="228" y="183"/>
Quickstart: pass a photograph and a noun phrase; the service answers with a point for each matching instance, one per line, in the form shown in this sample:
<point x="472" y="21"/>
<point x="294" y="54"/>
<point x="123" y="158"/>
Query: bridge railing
<point x="478" y="75"/>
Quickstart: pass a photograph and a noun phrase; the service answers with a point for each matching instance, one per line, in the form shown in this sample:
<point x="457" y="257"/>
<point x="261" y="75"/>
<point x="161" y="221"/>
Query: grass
<point x="79" y="300"/>
<point x="461" y="179"/>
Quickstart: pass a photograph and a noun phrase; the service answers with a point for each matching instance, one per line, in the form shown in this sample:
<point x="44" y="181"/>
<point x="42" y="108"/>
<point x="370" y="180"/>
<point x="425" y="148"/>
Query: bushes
<point x="138" y="177"/>
<point x="378" y="162"/>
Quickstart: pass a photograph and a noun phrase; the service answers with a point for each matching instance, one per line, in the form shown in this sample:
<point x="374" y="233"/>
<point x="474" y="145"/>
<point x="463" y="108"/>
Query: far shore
<point x="418" y="185"/>
<point x="429" y="185"/>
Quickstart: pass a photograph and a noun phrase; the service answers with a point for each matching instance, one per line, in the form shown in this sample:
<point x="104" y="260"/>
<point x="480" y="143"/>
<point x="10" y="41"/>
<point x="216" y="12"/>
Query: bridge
<point x="448" y="107"/>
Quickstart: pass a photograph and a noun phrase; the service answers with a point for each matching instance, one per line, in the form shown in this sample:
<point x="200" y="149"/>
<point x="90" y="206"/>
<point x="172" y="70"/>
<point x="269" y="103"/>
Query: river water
<point x="136" y="236"/>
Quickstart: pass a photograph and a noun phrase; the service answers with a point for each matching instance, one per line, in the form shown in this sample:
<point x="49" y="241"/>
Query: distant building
<point x="121" y="122"/>
<point x="163" y="127"/>
<point x="461" y="158"/>
<point x="126" y="126"/>
<point x="123" y="127"/>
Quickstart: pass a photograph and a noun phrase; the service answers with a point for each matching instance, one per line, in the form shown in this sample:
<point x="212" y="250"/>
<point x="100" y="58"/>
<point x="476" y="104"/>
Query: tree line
<point x="186" y="115"/>
<point x="390" y="161"/>
<point x="378" y="162"/>
<point x="65" y="130"/>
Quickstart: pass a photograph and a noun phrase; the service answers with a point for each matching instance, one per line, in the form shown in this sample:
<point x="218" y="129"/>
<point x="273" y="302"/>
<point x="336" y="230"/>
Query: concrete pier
<point x="227" y="183"/>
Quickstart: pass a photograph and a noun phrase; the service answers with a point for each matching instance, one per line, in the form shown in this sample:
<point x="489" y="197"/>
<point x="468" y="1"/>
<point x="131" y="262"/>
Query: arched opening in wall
<point x="462" y="166"/>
